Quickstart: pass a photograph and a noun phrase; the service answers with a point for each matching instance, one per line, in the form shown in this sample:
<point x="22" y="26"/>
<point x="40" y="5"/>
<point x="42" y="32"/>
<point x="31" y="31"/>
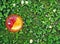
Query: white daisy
<point x="31" y="40"/>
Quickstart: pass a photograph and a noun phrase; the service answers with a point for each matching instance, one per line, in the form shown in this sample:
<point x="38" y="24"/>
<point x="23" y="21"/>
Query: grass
<point x="41" y="22"/>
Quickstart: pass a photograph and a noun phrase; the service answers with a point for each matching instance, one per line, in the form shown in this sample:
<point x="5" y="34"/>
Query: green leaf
<point x="1" y="14"/>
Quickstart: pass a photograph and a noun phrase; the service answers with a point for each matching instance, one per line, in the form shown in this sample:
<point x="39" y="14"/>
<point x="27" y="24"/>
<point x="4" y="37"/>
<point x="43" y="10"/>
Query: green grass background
<point x="38" y="15"/>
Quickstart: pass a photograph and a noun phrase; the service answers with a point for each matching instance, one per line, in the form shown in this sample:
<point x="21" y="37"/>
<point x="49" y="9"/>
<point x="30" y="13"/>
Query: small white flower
<point x="50" y="26"/>
<point x="14" y="4"/>
<point x="26" y="2"/>
<point x="31" y="41"/>
<point x="22" y="2"/>
<point x="54" y="10"/>
<point x="46" y="15"/>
